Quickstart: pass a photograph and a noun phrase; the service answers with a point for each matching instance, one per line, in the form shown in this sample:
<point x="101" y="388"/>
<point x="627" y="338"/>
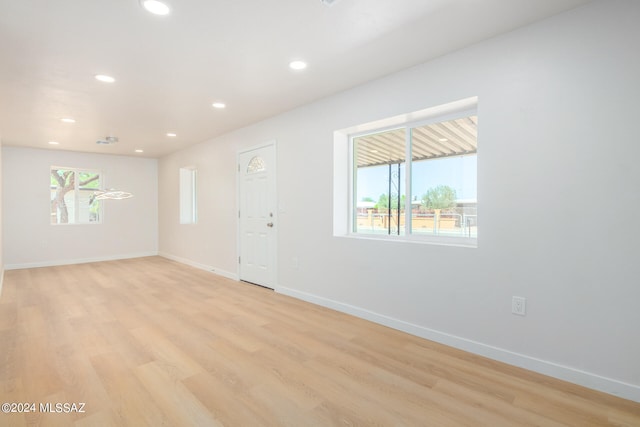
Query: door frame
<point x="270" y="143"/>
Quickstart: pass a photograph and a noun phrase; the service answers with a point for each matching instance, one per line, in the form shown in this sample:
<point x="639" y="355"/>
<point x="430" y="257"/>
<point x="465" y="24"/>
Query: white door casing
<point x="257" y="216"/>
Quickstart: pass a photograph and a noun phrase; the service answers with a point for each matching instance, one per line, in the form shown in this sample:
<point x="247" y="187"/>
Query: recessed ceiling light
<point x="67" y="120"/>
<point x="297" y="65"/>
<point x="139" y="151"/>
<point x="156" y="7"/>
<point x="442" y="139"/>
<point x="104" y="78"/>
<point x="170" y="134"/>
<point x="53" y="143"/>
<point x="219" y="105"/>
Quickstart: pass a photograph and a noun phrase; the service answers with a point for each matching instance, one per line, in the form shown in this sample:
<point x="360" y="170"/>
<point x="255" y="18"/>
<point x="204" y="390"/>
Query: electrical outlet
<point x="519" y="305"/>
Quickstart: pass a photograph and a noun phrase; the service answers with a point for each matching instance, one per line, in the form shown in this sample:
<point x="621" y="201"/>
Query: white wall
<point x="211" y="243"/>
<point x="1" y="252"/>
<point x="557" y="166"/>
<point x="129" y="228"/>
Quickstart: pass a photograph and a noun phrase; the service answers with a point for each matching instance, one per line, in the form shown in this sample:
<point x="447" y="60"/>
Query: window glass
<point x="188" y="201"/>
<point x="443" y="178"/>
<point x="256" y="164"/>
<point x="72" y="196"/>
<point x="438" y="198"/>
<point x="379" y="182"/>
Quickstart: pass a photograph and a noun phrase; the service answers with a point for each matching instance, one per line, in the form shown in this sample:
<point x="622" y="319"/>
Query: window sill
<point x="63" y="224"/>
<point x="462" y="242"/>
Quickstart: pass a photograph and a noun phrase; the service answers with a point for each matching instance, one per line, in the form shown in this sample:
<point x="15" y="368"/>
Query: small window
<point x="188" y="199"/>
<point x="418" y="179"/>
<point x="73" y="199"/>
<point x="256" y="164"/>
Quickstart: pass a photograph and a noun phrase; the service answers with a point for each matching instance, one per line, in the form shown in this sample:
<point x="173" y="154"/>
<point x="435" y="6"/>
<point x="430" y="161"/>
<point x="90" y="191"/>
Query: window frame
<point x="413" y="120"/>
<point x="76" y="189"/>
<point x="188" y="203"/>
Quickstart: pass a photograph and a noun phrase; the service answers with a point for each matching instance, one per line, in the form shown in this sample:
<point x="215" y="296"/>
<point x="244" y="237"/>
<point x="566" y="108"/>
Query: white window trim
<point x="193" y="196"/>
<point x="343" y="212"/>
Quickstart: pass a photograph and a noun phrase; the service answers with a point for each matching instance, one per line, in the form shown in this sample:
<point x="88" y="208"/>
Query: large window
<point x="417" y="179"/>
<point x="72" y="196"/>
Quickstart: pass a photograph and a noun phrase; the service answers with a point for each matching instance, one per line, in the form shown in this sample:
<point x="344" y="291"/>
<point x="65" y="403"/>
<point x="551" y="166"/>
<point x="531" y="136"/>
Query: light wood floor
<point x="150" y="342"/>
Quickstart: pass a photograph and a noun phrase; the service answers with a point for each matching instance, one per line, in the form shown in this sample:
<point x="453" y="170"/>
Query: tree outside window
<point x="72" y="196"/>
<point x="418" y="179"/>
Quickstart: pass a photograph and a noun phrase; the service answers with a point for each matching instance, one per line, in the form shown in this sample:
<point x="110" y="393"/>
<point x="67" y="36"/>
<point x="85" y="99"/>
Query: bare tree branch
<point x="87" y="181"/>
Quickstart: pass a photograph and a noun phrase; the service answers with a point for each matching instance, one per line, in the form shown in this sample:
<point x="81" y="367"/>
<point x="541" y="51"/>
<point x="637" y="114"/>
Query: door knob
<point x="269" y="224"/>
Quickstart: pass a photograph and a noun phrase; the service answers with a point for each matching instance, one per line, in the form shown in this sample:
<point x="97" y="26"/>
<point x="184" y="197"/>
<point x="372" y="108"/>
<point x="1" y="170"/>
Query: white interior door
<point x="258" y="216"/>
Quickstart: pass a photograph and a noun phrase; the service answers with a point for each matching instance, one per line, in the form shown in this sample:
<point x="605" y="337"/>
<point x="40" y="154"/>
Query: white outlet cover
<point x="519" y="306"/>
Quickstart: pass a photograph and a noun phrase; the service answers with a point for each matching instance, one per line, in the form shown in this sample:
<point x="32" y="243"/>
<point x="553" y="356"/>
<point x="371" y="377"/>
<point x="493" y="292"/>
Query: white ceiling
<point x="170" y="69"/>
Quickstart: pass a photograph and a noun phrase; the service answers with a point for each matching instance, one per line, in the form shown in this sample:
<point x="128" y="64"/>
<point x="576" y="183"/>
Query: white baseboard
<point x="54" y="263"/>
<point x="218" y="271"/>
<point x="566" y="373"/>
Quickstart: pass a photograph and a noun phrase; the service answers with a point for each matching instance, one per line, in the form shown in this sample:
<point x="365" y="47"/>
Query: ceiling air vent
<point x="329" y="2"/>
<point x="107" y="140"/>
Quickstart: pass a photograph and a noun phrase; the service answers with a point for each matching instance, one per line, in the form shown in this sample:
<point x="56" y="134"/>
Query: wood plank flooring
<point x="150" y="342"/>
